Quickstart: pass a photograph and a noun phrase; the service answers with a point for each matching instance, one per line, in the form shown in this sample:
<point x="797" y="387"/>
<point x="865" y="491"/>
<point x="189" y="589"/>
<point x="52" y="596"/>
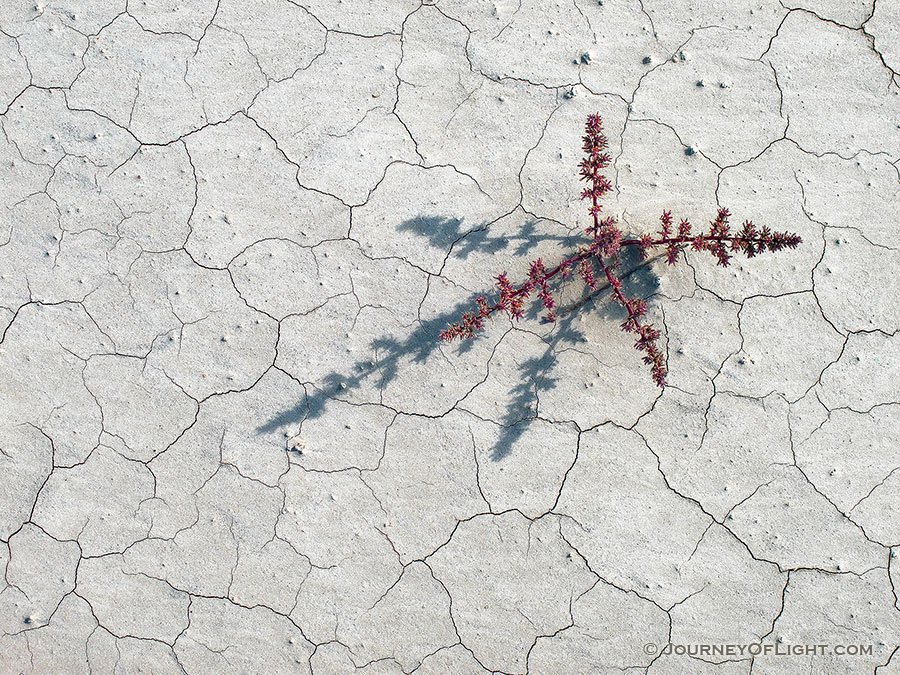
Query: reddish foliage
<point x="606" y="242"/>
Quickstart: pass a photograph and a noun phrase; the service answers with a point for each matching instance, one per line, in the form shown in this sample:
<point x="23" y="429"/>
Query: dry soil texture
<point x="230" y="441"/>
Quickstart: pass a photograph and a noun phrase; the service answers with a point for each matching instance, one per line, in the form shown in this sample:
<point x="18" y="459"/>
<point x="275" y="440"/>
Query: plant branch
<point x="603" y="251"/>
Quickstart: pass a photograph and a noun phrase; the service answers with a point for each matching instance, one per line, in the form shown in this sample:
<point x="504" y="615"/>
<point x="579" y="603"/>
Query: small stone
<point x="586" y="58"/>
<point x="701" y="83"/>
<point x="690" y="150"/>
<point x="724" y="85"/>
<point x="570" y="93"/>
<point x="646" y="60"/>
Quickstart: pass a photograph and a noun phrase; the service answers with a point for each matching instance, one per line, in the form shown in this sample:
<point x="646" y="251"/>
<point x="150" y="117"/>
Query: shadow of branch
<point x="441" y="232"/>
<point x="424" y="341"/>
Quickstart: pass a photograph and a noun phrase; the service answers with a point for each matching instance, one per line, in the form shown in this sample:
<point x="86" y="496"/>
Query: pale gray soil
<point x="230" y="441"/>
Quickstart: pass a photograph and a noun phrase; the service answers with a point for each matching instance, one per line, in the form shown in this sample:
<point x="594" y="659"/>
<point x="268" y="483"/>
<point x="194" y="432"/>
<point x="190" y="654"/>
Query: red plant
<point x="602" y="253"/>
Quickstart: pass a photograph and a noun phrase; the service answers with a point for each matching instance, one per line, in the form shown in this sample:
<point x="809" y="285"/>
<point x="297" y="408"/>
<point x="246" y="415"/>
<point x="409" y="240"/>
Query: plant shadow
<point x="638" y="280"/>
<point x="535" y="374"/>
<point x="442" y="232"/>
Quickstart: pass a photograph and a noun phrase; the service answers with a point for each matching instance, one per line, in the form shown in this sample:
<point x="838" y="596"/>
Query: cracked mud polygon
<point x="231" y="442"/>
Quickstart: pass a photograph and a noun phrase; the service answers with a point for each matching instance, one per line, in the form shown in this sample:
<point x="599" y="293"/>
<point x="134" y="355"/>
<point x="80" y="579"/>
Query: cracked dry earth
<point x="231" y="443"/>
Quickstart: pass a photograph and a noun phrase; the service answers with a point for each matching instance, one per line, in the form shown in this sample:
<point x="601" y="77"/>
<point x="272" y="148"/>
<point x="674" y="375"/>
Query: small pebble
<point x="646" y="60"/>
<point x="690" y="150"/>
<point x="586" y="58"/>
<point x="701" y="83"/>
